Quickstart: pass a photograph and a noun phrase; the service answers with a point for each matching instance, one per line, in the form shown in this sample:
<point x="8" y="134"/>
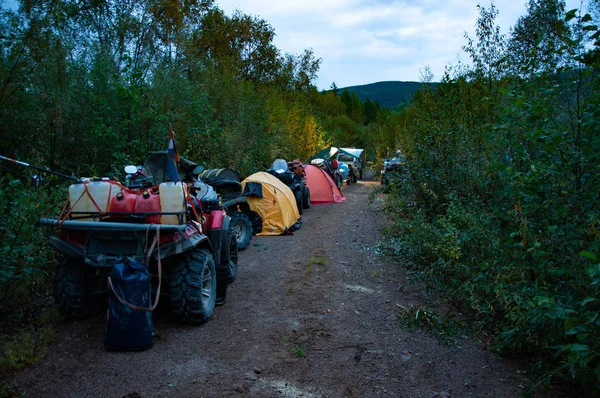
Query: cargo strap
<point x="135" y="307"/>
<point x="86" y="191"/>
<point x="191" y="203"/>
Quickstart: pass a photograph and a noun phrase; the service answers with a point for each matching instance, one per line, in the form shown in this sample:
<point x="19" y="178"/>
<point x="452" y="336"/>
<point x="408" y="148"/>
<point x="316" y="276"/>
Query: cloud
<point x="363" y="42"/>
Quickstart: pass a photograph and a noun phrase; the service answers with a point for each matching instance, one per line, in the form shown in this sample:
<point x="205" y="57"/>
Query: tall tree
<point x="537" y="39"/>
<point x="487" y="53"/>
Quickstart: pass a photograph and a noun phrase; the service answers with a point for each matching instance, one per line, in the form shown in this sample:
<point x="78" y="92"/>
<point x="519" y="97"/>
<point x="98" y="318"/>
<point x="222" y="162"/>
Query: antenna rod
<point x="45" y="170"/>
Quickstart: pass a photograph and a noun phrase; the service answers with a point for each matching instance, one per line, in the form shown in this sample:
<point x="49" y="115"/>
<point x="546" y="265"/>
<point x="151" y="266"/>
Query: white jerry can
<point x="89" y="198"/>
<point x="172" y="200"/>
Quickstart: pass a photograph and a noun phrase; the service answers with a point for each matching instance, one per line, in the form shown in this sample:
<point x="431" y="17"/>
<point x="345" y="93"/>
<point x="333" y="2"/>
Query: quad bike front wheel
<point x="306" y="198"/>
<point x="194" y="287"/>
<point x="242" y="229"/>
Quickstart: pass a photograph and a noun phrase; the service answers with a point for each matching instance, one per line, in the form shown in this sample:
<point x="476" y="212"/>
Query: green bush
<point x="26" y="270"/>
<point x="26" y="259"/>
<point x="500" y="213"/>
<point x="546" y="310"/>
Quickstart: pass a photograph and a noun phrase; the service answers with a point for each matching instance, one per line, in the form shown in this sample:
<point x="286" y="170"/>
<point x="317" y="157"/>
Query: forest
<point x="392" y="94"/>
<point x="498" y="209"/>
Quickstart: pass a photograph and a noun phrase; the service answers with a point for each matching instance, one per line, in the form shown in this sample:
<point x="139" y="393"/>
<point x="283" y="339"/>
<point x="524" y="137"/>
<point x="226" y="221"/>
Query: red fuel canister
<point x="148" y="202"/>
<point x="123" y="204"/>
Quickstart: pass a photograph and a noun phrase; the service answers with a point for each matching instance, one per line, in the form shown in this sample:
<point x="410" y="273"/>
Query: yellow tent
<point x="273" y="201"/>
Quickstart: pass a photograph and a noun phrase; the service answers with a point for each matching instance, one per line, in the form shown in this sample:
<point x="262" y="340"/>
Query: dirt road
<point x="310" y="315"/>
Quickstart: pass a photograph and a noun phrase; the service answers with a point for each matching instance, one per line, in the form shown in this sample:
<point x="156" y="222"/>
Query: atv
<point x="227" y="184"/>
<point x="178" y="228"/>
<point x="292" y="175"/>
<point x="392" y="173"/>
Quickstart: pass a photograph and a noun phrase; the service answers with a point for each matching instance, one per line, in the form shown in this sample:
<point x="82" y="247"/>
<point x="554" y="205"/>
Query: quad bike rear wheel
<point x="306" y="198"/>
<point x="194" y="287"/>
<point x="70" y="295"/>
<point x="242" y="229"/>
<point x="298" y="196"/>
<point x="230" y="253"/>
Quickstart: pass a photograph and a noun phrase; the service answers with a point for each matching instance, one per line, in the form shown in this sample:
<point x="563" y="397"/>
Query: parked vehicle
<point x="392" y="171"/>
<point x="178" y="229"/>
<point x="354" y="172"/>
<point x="331" y="168"/>
<point x="353" y="158"/>
<point x="297" y="168"/>
<point x="293" y="176"/>
<point x="344" y="172"/>
<point x="228" y="186"/>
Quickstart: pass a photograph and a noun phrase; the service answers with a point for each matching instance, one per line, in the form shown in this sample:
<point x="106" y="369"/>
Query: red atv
<point x="179" y="229"/>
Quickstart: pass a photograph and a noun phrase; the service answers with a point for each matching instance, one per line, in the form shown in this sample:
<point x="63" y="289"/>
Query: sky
<point x="362" y="42"/>
<point x="367" y="41"/>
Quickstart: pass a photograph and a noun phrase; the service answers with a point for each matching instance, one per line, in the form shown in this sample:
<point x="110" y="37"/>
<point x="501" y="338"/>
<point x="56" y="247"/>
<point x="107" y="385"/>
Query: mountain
<point x="388" y="94"/>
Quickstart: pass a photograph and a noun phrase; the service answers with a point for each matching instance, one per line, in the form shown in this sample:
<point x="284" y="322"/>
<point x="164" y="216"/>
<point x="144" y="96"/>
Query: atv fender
<point x="182" y="246"/>
<point x="217" y="235"/>
<point x="233" y="203"/>
<point x="222" y="263"/>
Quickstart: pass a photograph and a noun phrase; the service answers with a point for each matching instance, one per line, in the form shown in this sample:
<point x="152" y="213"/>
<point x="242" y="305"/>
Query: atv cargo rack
<point x="106" y="241"/>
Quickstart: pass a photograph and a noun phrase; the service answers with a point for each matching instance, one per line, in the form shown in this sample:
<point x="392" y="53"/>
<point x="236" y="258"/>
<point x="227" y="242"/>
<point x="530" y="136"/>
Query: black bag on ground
<point x="129" y="325"/>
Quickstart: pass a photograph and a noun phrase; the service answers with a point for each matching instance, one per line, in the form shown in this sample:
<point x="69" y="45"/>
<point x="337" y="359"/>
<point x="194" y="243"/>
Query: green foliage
<point x="298" y="350"/>
<point x="113" y="76"/>
<point x="387" y="94"/>
<point x="294" y="347"/>
<point x="26" y="266"/>
<point x="444" y="328"/>
<point x="25" y="259"/>
<point x="25" y="348"/>
<point x="499" y="213"/>
<point x="10" y="390"/>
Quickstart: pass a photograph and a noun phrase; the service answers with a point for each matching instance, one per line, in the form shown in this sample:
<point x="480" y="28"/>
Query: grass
<point x="444" y="328"/>
<point x="9" y="390"/>
<point x="20" y="350"/>
<point x="320" y="259"/>
<point x="25" y="348"/>
<point x="293" y="347"/>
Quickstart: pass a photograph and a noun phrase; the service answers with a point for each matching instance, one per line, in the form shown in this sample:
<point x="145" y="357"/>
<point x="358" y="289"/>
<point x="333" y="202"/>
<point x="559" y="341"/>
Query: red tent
<point x="322" y="188"/>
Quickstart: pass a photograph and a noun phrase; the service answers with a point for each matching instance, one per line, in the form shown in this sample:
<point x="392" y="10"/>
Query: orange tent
<point x="322" y="188"/>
